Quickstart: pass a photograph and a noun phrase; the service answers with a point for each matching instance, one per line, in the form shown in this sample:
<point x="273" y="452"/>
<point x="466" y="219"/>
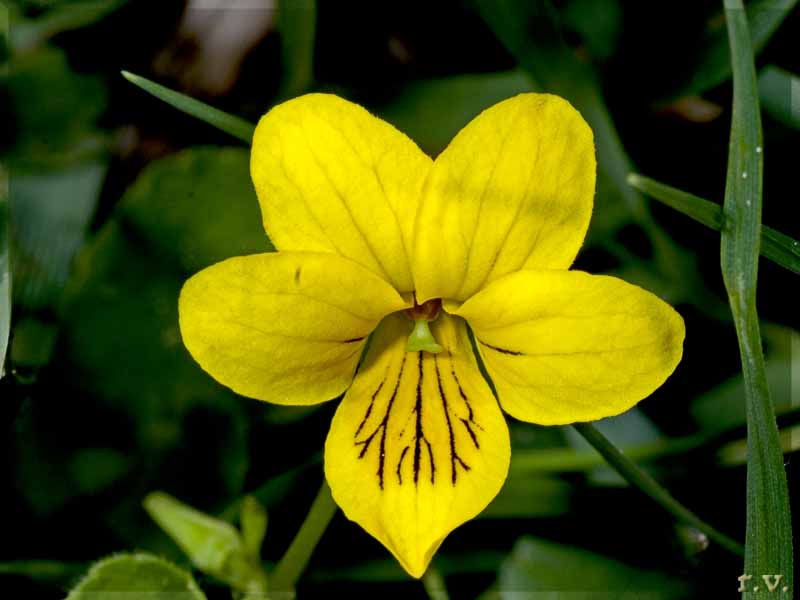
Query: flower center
<point x="421" y="338"/>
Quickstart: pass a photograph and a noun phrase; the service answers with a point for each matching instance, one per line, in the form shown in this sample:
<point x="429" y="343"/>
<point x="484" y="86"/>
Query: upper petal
<point x="330" y="177"/>
<point x="566" y="346"/>
<point x="284" y="327"/>
<point x="418" y="445"/>
<point x="513" y="190"/>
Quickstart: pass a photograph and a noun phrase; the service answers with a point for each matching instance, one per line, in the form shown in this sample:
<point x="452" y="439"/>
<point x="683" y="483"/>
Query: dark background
<point x="102" y="406"/>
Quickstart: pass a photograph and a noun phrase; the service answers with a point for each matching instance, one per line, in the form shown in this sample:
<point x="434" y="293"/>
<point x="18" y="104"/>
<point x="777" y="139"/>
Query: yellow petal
<point x="284" y="327"/>
<point x="418" y="445"/>
<point x="330" y="177"/>
<point x="566" y="346"/>
<point x="513" y="190"/>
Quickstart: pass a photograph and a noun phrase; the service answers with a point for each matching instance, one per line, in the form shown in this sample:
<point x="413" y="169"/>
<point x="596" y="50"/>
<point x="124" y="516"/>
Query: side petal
<point x="284" y="327"/>
<point x="512" y="191"/>
<point x="330" y="177"/>
<point x="566" y="346"/>
<point x="418" y="446"/>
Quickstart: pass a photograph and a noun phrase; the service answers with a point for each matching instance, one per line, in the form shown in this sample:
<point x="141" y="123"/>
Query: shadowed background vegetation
<point x="116" y="198"/>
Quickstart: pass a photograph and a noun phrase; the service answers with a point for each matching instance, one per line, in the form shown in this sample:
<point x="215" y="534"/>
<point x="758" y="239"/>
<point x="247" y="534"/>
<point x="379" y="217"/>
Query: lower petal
<point x="418" y="446"/>
<point x="565" y="346"/>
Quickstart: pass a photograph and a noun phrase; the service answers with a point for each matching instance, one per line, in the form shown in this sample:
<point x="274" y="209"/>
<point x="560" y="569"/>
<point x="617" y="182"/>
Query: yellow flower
<point x="373" y="235"/>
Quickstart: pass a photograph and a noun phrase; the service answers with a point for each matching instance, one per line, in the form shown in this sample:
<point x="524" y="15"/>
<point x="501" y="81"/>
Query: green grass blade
<point x="703" y="211"/>
<point x="780" y="248"/>
<point x="230" y="124"/>
<point x="5" y="270"/>
<point x="642" y="480"/>
<point x="776" y="246"/>
<point x="779" y="92"/>
<point x="768" y="542"/>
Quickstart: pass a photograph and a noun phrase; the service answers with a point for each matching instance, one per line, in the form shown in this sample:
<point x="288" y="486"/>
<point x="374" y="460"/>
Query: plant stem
<point x="434" y="584"/>
<point x="294" y="561"/>
<point x="642" y="480"/>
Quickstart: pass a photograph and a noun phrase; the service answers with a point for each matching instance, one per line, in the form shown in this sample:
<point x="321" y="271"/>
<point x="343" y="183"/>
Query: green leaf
<point x="776" y="246"/>
<point x="198" y="206"/>
<point x="214" y="546"/>
<point x="536" y="565"/>
<point x="432" y="111"/>
<point x="5" y="271"/>
<point x="51" y="213"/>
<point x="297" y="24"/>
<point x="138" y="577"/>
<point x="230" y="124"/>
<point x="779" y="92"/>
<point x="768" y="542"/>
<point x="713" y="64"/>
<point x="253" y="519"/>
<point x="208" y="542"/>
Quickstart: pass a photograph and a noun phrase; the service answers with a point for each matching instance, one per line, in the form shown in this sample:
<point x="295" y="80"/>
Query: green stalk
<point x="768" y="542"/>
<point x="640" y="479"/>
<point x="294" y="561"/>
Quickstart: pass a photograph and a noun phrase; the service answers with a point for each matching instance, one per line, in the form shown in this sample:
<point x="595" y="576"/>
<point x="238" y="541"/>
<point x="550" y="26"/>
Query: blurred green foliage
<point x="114" y="200"/>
